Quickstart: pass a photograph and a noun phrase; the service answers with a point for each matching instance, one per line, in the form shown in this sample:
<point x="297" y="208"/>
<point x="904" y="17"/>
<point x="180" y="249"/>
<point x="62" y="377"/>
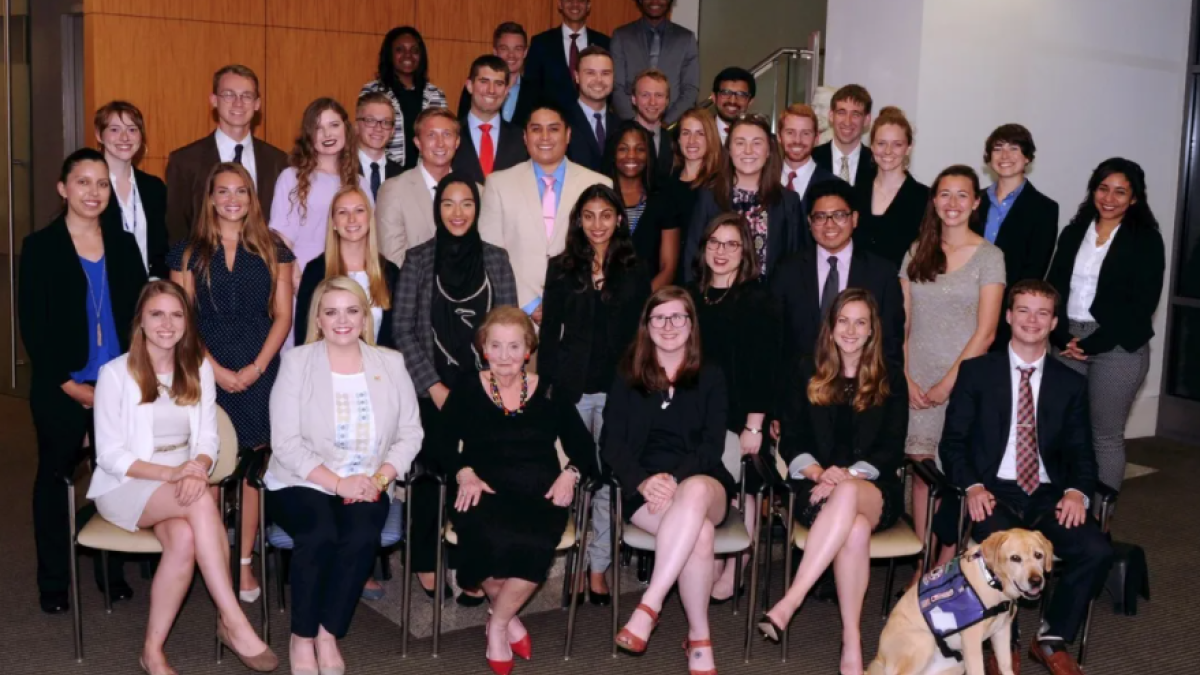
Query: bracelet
<point x="753" y="430"/>
<point x="254" y="365"/>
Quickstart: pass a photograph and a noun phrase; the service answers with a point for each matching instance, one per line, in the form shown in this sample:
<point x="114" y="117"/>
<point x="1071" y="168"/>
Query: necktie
<point x="830" y="290"/>
<point x="655" y="47"/>
<point x="1027" y="450"/>
<point x="375" y="180"/>
<point x="844" y="172"/>
<point x="791" y="181"/>
<point x="487" y="153"/>
<point x="549" y="206"/>
<point x="237" y="154"/>
<point x="599" y="129"/>
<point x="573" y="54"/>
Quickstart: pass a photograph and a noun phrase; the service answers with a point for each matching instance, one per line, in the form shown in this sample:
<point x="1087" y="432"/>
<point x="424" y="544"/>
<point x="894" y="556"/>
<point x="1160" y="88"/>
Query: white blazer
<point x="125" y="425"/>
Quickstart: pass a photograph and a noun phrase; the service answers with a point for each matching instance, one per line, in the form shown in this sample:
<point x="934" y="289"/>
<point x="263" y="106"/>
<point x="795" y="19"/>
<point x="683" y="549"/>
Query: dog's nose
<point x="1035" y="581"/>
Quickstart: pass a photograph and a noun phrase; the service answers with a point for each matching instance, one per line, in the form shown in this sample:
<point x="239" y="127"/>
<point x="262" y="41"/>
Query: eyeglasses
<point x="821" y="217"/>
<point x="744" y="95"/>
<point x="246" y="97"/>
<point x="715" y="244"/>
<point x="375" y="123"/>
<point x="677" y="320"/>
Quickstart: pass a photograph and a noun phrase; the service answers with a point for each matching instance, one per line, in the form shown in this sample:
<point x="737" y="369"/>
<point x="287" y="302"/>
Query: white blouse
<point x="171" y="424"/>
<point x="1086" y="274"/>
<point x="376" y="312"/>
<point x="133" y="214"/>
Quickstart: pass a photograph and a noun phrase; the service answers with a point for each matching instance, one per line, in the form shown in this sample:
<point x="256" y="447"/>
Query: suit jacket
<point x="511" y="218"/>
<point x="314" y="274"/>
<point x="302" y="426"/>
<point x="823" y="156"/>
<point x="890" y="234"/>
<point x="1127" y="292"/>
<point x="979" y="415"/>
<point x="568" y="324"/>
<point x="787" y="231"/>
<point x="153" y="195"/>
<point x="404" y="215"/>
<point x="391" y="169"/>
<point x="547" y="65"/>
<point x="412" y="302"/>
<point x="820" y="175"/>
<point x="1026" y="238"/>
<point x="526" y="97"/>
<point x="795" y="284"/>
<point x="879" y="432"/>
<point x="509" y="153"/>
<point x="679" y="58"/>
<point x="664" y="155"/>
<point x="52" y="294"/>
<point x="583" y="148"/>
<point x="187" y="171"/>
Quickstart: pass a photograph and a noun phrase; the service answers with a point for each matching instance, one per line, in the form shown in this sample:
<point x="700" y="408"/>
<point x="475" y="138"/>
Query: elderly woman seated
<point x="344" y="425"/>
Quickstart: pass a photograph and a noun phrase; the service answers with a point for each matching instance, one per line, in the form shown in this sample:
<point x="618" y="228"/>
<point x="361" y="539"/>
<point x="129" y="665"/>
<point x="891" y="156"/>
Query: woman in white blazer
<point x="156" y="442"/>
<point x="344" y="425"/>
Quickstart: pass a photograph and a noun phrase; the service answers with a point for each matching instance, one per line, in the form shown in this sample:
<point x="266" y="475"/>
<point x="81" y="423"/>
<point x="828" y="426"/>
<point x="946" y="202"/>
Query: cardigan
<point x="125" y="425"/>
<point x="314" y="274"/>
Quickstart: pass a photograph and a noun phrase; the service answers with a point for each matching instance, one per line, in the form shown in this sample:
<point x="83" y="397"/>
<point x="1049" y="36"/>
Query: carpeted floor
<point x="1158" y="511"/>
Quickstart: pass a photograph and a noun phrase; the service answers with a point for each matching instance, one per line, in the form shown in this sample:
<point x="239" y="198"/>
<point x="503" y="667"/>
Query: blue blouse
<point x="105" y="346"/>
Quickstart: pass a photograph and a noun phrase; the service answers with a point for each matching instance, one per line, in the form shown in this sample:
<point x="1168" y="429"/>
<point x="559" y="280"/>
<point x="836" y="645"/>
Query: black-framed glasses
<point x="246" y="97"/>
<point x="744" y="95"/>
<point x="676" y="320"/>
<point x="715" y="244"/>
<point x="819" y="218"/>
<point x="376" y="123"/>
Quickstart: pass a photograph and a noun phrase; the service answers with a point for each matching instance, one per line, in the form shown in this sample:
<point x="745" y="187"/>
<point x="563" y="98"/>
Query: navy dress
<point x="232" y="309"/>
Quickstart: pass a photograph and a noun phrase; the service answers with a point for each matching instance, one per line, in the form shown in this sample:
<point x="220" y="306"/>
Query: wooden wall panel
<point x="241" y="12"/>
<point x="450" y="63"/>
<point x="350" y="16"/>
<point x="474" y="20"/>
<point x="609" y="14"/>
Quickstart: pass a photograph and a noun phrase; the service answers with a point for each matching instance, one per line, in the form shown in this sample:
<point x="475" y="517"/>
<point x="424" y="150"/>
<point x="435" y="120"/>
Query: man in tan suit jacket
<point x="511" y="215"/>
<point x="404" y="206"/>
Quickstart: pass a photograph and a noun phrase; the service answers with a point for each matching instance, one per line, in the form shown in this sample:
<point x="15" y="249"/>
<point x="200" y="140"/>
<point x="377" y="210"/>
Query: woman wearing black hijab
<point x="446" y="287"/>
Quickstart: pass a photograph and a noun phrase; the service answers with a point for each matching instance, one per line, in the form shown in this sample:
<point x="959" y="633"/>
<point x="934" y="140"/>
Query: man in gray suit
<point x="653" y="41"/>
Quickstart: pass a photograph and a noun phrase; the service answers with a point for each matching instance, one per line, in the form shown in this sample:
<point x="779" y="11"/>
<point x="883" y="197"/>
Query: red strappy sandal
<point x="631" y="643"/>
<point x="688" y="646"/>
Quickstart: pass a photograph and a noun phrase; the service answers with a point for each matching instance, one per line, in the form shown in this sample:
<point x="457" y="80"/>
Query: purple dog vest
<point x="949" y="604"/>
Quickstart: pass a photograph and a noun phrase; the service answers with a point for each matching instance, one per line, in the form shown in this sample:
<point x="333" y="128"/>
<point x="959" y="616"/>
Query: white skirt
<point x="123" y="506"/>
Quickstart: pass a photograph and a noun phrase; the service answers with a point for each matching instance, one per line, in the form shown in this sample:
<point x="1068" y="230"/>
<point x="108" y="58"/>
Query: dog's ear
<point x="1047" y="550"/>
<point x="992" y="550"/>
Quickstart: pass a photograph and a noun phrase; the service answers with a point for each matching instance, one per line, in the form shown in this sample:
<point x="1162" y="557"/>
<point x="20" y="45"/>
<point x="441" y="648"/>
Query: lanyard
<point x="130" y="226"/>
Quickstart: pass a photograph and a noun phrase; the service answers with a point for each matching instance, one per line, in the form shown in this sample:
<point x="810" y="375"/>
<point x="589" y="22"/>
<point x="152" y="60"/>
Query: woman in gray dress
<point x="953" y="282"/>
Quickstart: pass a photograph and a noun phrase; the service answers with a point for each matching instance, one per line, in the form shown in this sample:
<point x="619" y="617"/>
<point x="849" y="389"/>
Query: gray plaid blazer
<point x="413" y="300"/>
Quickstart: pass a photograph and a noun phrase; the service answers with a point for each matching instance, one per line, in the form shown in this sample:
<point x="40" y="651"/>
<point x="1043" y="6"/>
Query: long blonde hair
<point x="872" y="379"/>
<point x="335" y="266"/>
<point x="189" y="354"/>
<point x="340" y="283"/>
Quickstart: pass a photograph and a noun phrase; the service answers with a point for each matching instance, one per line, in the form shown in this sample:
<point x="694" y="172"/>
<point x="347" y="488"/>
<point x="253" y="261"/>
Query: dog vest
<point x="949" y="604"/>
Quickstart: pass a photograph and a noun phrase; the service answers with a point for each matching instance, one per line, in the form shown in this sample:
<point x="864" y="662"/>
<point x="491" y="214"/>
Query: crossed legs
<point x="507" y="596"/>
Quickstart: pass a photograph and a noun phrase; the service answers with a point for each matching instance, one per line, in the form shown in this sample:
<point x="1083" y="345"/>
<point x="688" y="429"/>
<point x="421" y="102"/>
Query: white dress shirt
<point x="133" y="213"/>
<point x="1008" y="463"/>
<point x="843" y="257"/>
<point x="225" y="148"/>
<point x="804" y="174"/>
<point x="473" y="124"/>
<point x="853" y="157"/>
<point x="429" y="181"/>
<point x="581" y="42"/>
<point x="723" y="128"/>
<point x="1086" y="274"/>
<point x="365" y="160"/>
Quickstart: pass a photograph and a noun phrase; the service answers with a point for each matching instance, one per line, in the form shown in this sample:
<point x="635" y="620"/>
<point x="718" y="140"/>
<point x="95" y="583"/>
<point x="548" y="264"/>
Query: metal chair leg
<point x="750" y="602"/>
<point x="887" y="587"/>
<point x="787" y="568"/>
<point x="439" y="562"/>
<point x="407" y="599"/>
<point x="615" y="531"/>
<point x="769" y="553"/>
<point x="104" y="571"/>
<point x="221" y="502"/>
<point x="77" y="616"/>
<point x="263" y="574"/>
<point x="576" y="572"/>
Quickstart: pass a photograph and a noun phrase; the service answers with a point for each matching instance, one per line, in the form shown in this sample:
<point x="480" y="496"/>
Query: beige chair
<point x="732" y="538"/>
<point x="100" y="535"/>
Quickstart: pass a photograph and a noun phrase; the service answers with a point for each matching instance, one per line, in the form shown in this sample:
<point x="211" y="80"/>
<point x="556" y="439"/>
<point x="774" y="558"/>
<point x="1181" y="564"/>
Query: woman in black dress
<point x="844" y="425"/>
<point x="664" y="441"/>
<point x="594" y="294"/>
<point x="894" y="202"/>
<point x="239" y="274"/>
<point x="742" y="330"/>
<point x="513" y="495"/>
<point x="699" y="156"/>
<point x="445" y="289"/>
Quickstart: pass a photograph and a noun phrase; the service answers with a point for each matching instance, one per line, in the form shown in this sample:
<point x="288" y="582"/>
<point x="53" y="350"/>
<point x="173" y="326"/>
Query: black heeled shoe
<point x="447" y="592"/>
<point x="769" y="629"/>
<point x="466" y="600"/>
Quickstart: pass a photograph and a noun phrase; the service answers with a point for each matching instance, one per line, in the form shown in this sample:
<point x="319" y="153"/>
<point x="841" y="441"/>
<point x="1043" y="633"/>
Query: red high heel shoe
<point x="688" y="646"/>
<point x="498" y="667"/>
<point x="523" y="647"/>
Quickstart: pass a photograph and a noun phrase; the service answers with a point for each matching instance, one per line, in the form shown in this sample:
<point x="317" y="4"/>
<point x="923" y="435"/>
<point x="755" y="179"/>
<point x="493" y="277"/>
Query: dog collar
<point x="988" y="575"/>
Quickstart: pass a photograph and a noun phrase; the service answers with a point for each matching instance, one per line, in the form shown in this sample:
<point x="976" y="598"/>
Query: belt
<point x="170" y="448"/>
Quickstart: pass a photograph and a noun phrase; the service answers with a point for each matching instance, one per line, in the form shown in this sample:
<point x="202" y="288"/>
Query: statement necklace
<point x="500" y="402"/>
<point x="707" y="301"/>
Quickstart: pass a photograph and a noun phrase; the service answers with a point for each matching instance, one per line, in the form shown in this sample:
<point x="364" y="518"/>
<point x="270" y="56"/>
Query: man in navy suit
<point x="488" y="142"/>
<point x="554" y="54"/>
<point x="846" y="156"/>
<point x="589" y="116"/>
<point x="510" y="44"/>
<point x="797" y="136"/>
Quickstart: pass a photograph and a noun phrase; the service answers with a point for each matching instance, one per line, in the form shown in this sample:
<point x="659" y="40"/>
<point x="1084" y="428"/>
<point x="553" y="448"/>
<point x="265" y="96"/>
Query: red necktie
<point x="487" y="153"/>
<point x="573" y="54"/>
<point x="1027" y="450"/>
<point x="791" y="183"/>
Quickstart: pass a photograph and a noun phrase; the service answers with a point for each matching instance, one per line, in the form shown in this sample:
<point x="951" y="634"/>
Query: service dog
<point x="971" y="599"/>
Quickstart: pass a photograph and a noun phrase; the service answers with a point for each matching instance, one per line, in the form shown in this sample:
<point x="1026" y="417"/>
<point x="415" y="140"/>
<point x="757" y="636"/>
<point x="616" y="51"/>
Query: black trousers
<point x="60" y="424"/>
<point x="335" y="548"/>
<point x="423" y="496"/>
<point x="1085" y="552"/>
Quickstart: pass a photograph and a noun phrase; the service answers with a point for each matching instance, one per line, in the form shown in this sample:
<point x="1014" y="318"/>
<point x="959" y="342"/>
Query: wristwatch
<point x="381" y="481"/>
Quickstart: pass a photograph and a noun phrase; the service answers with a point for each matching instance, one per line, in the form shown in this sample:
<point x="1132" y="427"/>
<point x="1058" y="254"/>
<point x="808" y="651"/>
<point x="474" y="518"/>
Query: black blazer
<point x="628" y="414"/>
<point x="879" y="432"/>
<point x="820" y="175"/>
<point x="979" y="415"/>
<point x="664" y="155"/>
<point x="153" y="194"/>
<point x="314" y="273"/>
<point x="568" y="319"/>
<point x="583" y="148"/>
<point x="391" y="168"/>
<point x="787" y="230"/>
<point x="661" y="213"/>
<point x="547" y="69"/>
<point x="526" y="97"/>
<point x="52" y="297"/>
<point x="863" y="176"/>
<point x="1127" y="293"/>
<point x="509" y="153"/>
<point x="794" y="283"/>
<point x="891" y="235"/>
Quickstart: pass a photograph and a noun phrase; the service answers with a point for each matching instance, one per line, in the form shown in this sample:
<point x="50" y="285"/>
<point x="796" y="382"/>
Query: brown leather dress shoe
<point x="1058" y="661"/>
<point x="990" y="667"/>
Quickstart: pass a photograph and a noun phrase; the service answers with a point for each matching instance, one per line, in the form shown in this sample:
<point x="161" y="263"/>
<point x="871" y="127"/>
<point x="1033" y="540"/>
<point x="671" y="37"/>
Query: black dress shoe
<point x="447" y="592"/>
<point x="118" y="590"/>
<point x="54" y="602"/>
<point x="600" y="599"/>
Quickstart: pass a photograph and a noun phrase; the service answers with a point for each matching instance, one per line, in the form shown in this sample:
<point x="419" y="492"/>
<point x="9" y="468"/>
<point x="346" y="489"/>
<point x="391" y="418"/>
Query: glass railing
<point x="787" y="76"/>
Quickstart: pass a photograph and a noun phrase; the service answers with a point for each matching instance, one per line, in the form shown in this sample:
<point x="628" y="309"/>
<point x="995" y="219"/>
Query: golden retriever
<point x="1020" y="561"/>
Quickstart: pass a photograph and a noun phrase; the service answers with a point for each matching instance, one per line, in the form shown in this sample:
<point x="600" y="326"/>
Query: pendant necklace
<point x="96" y="303"/>
<point x="666" y="398"/>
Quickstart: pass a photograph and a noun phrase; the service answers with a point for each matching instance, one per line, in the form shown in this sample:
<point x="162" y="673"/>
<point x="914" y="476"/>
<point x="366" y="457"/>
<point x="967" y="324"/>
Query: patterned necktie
<point x="1027" y="450"/>
<point x="237" y="153"/>
<point x="549" y="206"/>
<point x="844" y="172"/>
<point x="599" y="129"/>
<point x="830" y="290"/>
<point x="573" y="54"/>
<point x="487" y="153"/>
<point x="376" y="179"/>
<point x="791" y="181"/>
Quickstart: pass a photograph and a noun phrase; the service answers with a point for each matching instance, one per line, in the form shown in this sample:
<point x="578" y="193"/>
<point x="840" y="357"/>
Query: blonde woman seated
<point x="843" y="438"/>
<point x="344" y="425"/>
<point x="156" y="442"/>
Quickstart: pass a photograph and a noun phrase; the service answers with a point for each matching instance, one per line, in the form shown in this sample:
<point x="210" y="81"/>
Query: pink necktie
<point x="549" y="208"/>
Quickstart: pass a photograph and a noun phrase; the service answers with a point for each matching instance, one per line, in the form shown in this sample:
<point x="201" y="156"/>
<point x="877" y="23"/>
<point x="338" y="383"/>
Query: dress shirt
<point x="429" y="181"/>
<point x="853" y="157"/>
<point x="364" y="160"/>
<point x="590" y="115"/>
<point x="133" y="213"/>
<point x="723" y="129"/>
<point x="510" y="100"/>
<point x="655" y="135"/>
<point x="999" y="210"/>
<point x="1086" y="274"/>
<point x="843" y="257"/>
<point x="225" y="148"/>
<point x="581" y="42"/>
<point x="560" y="176"/>
<point x="804" y="174"/>
<point x="473" y="123"/>
<point x="1008" y="463"/>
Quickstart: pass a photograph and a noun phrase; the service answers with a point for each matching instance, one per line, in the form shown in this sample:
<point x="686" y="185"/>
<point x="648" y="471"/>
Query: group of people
<point x="458" y="289"/>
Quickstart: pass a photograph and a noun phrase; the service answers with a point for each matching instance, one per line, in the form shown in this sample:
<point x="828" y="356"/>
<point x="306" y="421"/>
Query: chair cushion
<point x="393" y="530"/>
<point x="104" y="536"/>
<point x="567" y="540"/>
<point x="895" y="542"/>
<point x="731" y="537"/>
